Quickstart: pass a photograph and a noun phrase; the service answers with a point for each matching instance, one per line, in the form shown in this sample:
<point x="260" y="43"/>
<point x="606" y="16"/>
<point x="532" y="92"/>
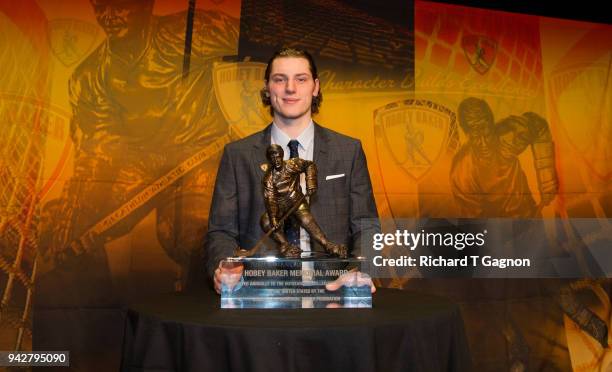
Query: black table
<point x="404" y="331"/>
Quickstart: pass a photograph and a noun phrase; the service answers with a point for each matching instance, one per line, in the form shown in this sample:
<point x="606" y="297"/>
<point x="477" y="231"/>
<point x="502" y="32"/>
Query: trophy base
<point x="294" y="283"/>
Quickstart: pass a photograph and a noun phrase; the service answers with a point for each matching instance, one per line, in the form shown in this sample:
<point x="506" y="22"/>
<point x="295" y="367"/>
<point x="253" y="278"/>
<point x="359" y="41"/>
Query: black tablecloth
<point x="404" y="331"/>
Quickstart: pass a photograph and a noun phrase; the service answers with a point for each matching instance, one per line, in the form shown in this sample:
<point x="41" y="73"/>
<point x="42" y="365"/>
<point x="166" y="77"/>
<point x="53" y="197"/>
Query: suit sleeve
<point x="364" y="221"/>
<point x="222" y="237"/>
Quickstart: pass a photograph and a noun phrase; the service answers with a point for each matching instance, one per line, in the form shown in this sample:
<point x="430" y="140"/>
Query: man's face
<point x="276" y="159"/>
<point x="120" y="18"/>
<point x="291" y="87"/>
<point x="482" y="137"/>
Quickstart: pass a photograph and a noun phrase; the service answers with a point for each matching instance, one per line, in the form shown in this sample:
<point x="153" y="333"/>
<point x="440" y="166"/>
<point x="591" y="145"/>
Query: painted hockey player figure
<point x="486" y="177"/>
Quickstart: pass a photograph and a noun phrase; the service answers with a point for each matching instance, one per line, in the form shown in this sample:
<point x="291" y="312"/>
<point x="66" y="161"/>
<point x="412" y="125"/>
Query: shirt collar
<point x="305" y="138"/>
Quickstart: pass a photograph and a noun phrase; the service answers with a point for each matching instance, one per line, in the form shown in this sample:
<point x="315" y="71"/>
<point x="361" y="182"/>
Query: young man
<point x="343" y="205"/>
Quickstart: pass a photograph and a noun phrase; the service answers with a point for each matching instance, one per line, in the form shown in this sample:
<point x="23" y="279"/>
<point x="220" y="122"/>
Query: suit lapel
<point x="321" y="160"/>
<point x="258" y="154"/>
<point x="320" y="152"/>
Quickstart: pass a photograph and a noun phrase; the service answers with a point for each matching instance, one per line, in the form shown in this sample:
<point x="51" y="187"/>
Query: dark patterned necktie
<point x="292" y="228"/>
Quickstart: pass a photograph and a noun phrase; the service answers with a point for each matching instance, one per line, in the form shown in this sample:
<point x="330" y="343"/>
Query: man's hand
<point x="351" y="279"/>
<point x="228" y="276"/>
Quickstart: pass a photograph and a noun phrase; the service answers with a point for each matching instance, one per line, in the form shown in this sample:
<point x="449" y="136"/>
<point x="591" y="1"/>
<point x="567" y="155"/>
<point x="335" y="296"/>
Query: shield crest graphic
<point x="413" y="134"/>
<point x="71" y="39"/>
<point x="582" y="94"/>
<point x="237" y="86"/>
<point x="480" y="52"/>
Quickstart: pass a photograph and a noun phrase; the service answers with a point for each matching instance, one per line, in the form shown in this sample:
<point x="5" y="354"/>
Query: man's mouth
<point x="290" y="100"/>
<point x="113" y="27"/>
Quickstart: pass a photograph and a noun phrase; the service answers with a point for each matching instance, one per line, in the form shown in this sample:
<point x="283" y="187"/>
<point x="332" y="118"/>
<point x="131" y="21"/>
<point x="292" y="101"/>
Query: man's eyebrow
<point x="301" y="74"/>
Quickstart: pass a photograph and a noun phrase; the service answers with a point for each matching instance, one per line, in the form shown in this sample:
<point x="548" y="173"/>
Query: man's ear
<point x="316" y="88"/>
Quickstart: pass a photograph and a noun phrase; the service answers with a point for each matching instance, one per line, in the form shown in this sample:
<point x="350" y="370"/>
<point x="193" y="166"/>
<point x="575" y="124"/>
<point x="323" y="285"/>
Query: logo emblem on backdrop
<point x="579" y="94"/>
<point x="71" y="39"/>
<point x="237" y="86"/>
<point x="480" y="52"/>
<point x="413" y="134"/>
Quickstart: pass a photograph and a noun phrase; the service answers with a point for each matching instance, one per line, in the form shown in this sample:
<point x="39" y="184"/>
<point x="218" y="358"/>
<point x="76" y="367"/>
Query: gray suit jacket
<point x="344" y="207"/>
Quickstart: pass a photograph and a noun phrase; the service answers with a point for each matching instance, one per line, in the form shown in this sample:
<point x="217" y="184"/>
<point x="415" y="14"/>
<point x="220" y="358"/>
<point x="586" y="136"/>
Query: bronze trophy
<point x="290" y="280"/>
<point x="286" y="203"/>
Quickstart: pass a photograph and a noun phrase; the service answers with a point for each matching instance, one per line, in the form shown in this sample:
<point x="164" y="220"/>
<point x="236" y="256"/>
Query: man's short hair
<point x="296" y="53"/>
<point x="473" y="109"/>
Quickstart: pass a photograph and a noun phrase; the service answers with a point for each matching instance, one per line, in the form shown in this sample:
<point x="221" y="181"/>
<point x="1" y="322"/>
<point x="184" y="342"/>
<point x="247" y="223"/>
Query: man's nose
<point x="290" y="87"/>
